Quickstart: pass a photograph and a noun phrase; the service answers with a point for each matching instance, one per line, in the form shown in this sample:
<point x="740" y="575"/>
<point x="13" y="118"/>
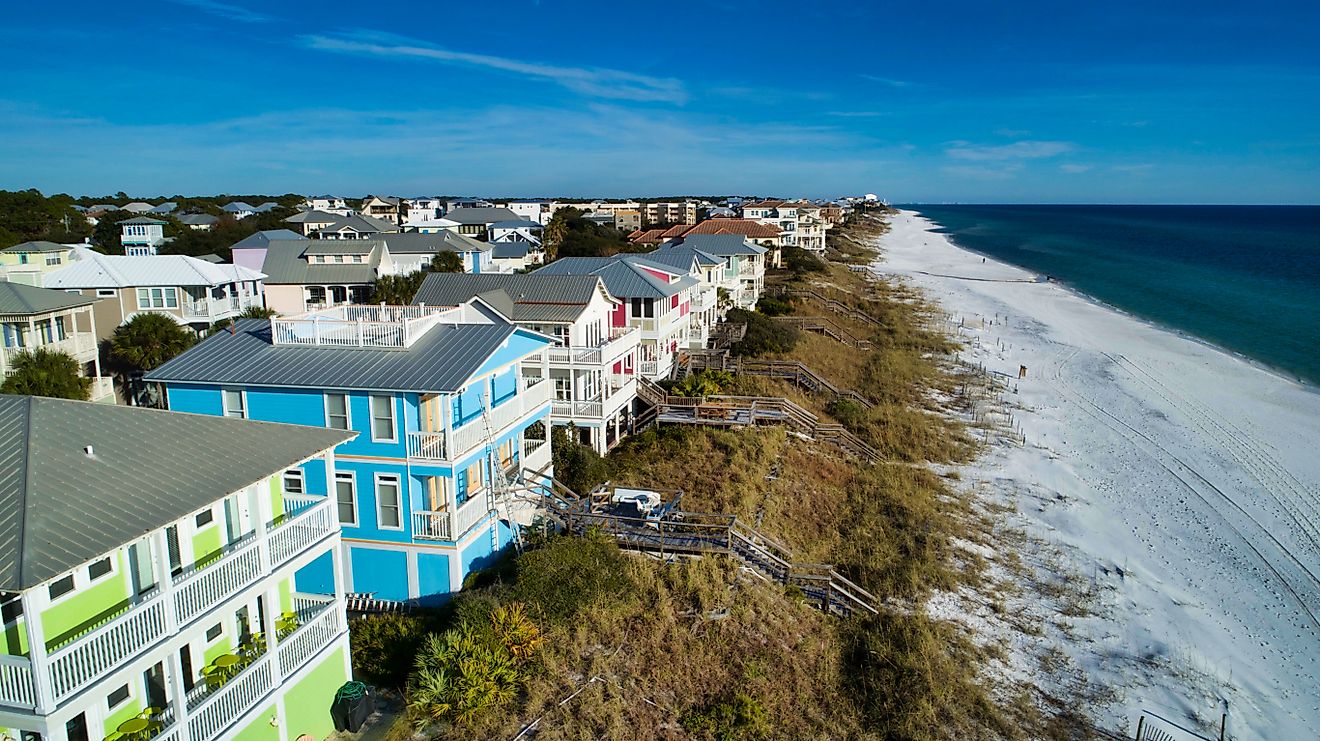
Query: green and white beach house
<point x="148" y="576"/>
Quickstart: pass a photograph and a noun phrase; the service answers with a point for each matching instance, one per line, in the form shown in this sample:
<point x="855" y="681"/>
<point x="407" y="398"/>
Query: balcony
<point x="621" y="340"/>
<point x="437" y="447"/>
<point x="83" y="659"/>
<point x="619" y="390"/>
<point x="213" y="710"/>
<point x="355" y="326"/>
<point x="81" y="345"/>
<point x="450" y="526"/>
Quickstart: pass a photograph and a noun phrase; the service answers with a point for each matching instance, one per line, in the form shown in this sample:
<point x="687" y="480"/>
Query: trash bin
<point x="354" y="703"/>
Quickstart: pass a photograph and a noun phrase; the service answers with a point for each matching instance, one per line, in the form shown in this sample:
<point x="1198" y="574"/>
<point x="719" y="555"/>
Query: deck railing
<point x="357" y="326"/>
<point x="431" y="525"/>
<point x="427" y="446"/>
<point x="471" y="512"/>
<point x="86" y="658"/>
<point x="620" y="341"/>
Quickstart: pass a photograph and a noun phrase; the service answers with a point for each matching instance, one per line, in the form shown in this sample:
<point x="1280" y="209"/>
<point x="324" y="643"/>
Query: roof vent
<point x="87" y="450"/>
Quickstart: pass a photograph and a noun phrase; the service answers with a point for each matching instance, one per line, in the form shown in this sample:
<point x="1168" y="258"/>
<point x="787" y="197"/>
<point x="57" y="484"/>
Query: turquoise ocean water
<point x="1245" y="278"/>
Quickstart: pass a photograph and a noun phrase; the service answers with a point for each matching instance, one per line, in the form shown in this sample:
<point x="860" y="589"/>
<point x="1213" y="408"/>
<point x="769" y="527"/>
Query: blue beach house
<point x="450" y="412"/>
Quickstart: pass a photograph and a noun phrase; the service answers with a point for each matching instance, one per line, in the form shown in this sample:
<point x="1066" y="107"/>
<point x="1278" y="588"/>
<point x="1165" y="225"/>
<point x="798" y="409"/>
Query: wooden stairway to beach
<point x="700" y="534"/>
<point x="823" y="325"/>
<point x="832" y="304"/>
<point x="799" y="373"/>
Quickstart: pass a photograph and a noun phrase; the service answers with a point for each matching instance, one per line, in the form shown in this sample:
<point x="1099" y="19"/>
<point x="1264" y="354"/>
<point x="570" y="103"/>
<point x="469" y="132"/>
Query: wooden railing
<point x="697" y="534"/>
<point x="832" y="304"/>
<point x="826" y="327"/>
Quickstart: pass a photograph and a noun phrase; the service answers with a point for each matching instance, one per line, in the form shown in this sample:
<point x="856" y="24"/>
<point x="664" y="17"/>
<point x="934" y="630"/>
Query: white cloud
<point x="1073" y="168"/>
<point x="979" y="172"/>
<point x="891" y="82"/>
<point x="1022" y="150"/>
<point x="594" y="81"/>
<point x="227" y="10"/>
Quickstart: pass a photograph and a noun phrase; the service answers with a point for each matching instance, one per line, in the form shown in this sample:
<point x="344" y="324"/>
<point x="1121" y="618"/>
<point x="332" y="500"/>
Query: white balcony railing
<point x="432" y="525"/>
<point x="427" y="446"/>
<point x="319" y="623"/>
<point x="622" y="339"/>
<point x="577" y="409"/>
<point x="81" y="345"/>
<point x="473" y="432"/>
<point x="80" y="662"/>
<point x="212" y="308"/>
<point x="649" y="368"/>
<point x="471" y="512"/>
<point x="357" y="326"/>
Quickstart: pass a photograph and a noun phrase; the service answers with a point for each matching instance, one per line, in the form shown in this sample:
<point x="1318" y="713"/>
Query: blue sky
<point x="991" y="102"/>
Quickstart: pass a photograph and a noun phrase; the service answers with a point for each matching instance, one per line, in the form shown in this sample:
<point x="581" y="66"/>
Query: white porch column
<point x="160" y="561"/>
<point x="34" y="602"/>
<point x="178" y="695"/>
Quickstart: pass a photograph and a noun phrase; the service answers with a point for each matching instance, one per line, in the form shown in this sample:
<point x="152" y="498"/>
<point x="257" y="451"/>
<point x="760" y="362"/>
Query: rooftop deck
<point x="368" y="327"/>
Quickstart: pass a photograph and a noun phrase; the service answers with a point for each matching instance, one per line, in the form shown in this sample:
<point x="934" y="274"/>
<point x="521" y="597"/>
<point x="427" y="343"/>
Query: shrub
<point x="578" y="466"/>
<point x="461" y="674"/>
<point x="703" y="383"/>
<point x="45" y="372"/>
<point x="740" y="717"/>
<point x="383" y="647"/>
<point x="771" y="306"/>
<point x="849" y="413"/>
<point x="764" y="335"/>
<point x="801" y="261"/>
<point x="568" y="573"/>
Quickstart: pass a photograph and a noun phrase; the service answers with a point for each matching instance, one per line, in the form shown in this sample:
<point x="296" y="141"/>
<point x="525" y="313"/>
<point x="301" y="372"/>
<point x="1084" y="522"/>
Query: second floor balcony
<point x="452" y="445"/>
<point x="80" y="345"/>
<point x="73" y="662"/>
<point x="621" y="341"/>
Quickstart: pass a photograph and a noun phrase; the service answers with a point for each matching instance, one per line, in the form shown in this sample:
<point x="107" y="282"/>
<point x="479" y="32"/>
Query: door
<point x="431" y="414"/>
<point x="141" y="574"/>
<point x="154" y="679"/>
<point x="437" y="494"/>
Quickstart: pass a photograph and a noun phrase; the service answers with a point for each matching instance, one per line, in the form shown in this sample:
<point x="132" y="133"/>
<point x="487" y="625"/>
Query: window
<point x="235" y="403"/>
<point x="52" y="259"/>
<point x="157" y="298"/>
<point x="98" y="569"/>
<point x="387" y="501"/>
<point x="293" y="481"/>
<point x="205" y="518"/>
<point x="214" y="632"/>
<point x="643" y="307"/>
<point x="346" y="498"/>
<point x="61" y="587"/>
<point x="336" y="412"/>
<point x="105" y="292"/>
<point x="118" y="697"/>
<point x="12" y="610"/>
<point x="382" y="418"/>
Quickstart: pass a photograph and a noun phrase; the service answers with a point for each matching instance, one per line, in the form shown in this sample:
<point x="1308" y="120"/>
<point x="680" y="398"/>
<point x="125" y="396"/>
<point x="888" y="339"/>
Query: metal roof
<point x="315" y="217"/>
<point x="38" y="246"/>
<point x="624" y="275"/>
<point x="61" y="507"/>
<point x="284" y="264"/>
<point x="142" y="220"/>
<point x="91" y="269"/>
<point x="481" y="215"/>
<point x="414" y="243"/>
<point x="234" y="207"/>
<point x="682" y="256"/>
<point x="442" y="360"/>
<point x="535" y="297"/>
<point x="359" y="224"/>
<point x="198" y="219"/>
<point x="16" y="298"/>
<point x="263" y="238"/>
<point x="723" y="245"/>
<point x="509" y="250"/>
<point x="340" y="246"/>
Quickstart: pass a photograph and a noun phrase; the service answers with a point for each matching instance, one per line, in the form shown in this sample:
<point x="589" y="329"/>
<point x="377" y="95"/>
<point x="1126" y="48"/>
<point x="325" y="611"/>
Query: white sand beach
<point x="1182" y="481"/>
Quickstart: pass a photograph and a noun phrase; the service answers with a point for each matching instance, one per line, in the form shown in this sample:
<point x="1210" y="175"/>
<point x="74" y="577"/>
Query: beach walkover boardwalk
<point x="696" y="534"/>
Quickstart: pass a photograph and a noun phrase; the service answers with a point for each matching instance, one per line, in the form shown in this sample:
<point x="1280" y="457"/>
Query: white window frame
<point x="209" y="642"/>
<point x="297" y="473"/>
<point x="114" y="570"/>
<point x="397" y="481"/>
<point x="224" y="403"/>
<point x="348" y="411"/>
<point x="351" y="478"/>
<point x="129" y="698"/>
<point x="394" y="419"/>
<point x="213" y="523"/>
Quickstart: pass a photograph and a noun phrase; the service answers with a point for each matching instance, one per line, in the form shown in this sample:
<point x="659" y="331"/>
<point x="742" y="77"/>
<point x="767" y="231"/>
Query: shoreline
<point x="1283" y="374"/>
<point x="1180" y="481"/>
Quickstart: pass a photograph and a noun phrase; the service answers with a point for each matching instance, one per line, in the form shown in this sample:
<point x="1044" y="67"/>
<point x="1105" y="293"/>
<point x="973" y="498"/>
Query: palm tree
<point x="251" y="312"/>
<point x="145" y="342"/>
<point x="446" y="262"/>
<point x="45" y="372"/>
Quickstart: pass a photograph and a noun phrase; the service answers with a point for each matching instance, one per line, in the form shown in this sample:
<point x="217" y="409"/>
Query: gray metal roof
<point x="143" y="220"/>
<point x="682" y="256"/>
<point x="263" y="238"/>
<point x="340" y="246"/>
<point x="198" y="219"/>
<point x="416" y="243"/>
<point x="37" y="246"/>
<point x="315" y="217"/>
<point x="723" y="245"/>
<point x="19" y="299"/>
<point x="284" y="264"/>
<point x="360" y="224"/>
<point x="510" y="250"/>
<point x="483" y="215"/>
<point x="440" y="361"/>
<point x="60" y="507"/>
<point x="624" y="275"/>
<point x="234" y="207"/>
<point x="534" y="297"/>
